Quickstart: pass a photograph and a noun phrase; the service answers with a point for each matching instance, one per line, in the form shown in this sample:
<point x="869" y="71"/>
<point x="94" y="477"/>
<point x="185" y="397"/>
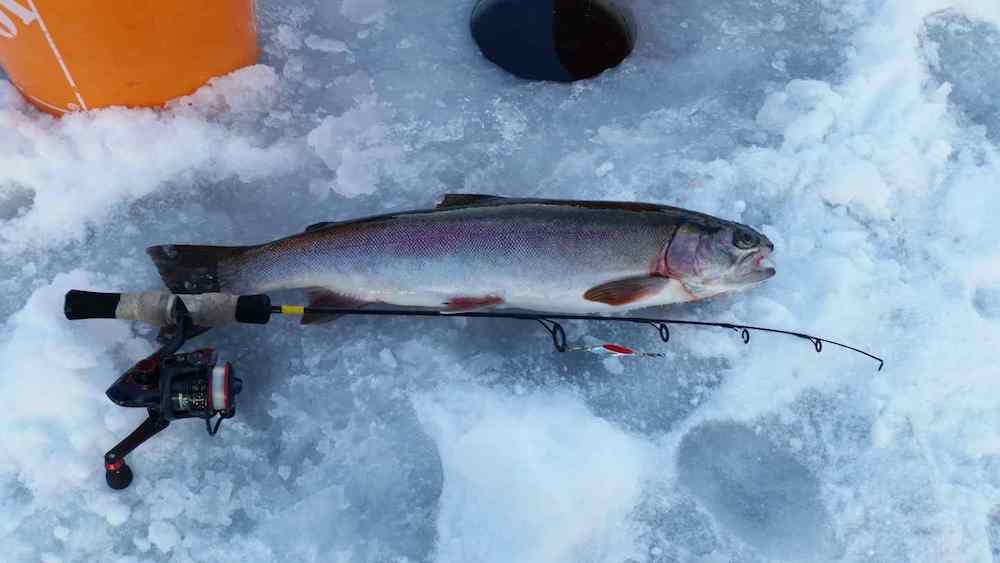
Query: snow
<point x="163" y="535"/>
<point x="860" y="135"/>
<point x="552" y="496"/>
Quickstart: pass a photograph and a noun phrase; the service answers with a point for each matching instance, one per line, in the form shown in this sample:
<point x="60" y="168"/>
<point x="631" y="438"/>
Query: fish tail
<point x="195" y="269"/>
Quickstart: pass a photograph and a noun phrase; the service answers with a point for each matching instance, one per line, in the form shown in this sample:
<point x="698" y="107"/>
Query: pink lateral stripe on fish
<point x="482" y="251"/>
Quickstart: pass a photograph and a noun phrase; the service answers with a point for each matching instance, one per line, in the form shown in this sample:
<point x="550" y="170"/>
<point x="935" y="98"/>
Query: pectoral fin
<point x="626" y="290"/>
<point x="322" y="297"/>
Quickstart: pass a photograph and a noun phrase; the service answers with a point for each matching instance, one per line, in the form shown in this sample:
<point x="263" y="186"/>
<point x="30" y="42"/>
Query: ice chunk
<point x="164" y="535"/>
<point x="803" y="113"/>
<point x="326" y="45"/>
<point x="364" y="11"/>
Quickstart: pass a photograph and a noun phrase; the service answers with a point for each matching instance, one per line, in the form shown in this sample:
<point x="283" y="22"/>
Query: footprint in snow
<point x="756" y="491"/>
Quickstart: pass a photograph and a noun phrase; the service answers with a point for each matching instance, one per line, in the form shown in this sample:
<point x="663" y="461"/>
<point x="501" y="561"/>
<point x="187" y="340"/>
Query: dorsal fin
<point x="323" y="225"/>
<point x="458" y="200"/>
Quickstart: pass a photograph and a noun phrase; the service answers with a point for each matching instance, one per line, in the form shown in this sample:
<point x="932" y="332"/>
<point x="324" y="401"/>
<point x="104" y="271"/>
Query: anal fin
<point x="626" y="290"/>
<point x="465" y="304"/>
<point x="322" y="297"/>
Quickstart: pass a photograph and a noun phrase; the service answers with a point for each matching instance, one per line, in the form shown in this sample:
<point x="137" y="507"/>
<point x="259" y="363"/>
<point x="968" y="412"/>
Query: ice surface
<point x="859" y="135"/>
<point x="760" y="492"/>
<point x="961" y="49"/>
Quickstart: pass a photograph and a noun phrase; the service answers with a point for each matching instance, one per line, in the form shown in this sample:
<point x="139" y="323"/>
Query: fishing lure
<point x="615" y="351"/>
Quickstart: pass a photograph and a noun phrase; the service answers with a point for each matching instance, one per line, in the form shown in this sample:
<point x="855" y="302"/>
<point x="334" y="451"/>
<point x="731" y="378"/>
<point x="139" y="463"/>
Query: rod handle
<point x="253" y="309"/>
<point x="159" y="308"/>
<point x="90" y="305"/>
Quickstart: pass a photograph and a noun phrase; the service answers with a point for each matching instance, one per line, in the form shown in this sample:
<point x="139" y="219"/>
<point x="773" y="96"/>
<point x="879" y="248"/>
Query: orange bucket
<point x="68" y="55"/>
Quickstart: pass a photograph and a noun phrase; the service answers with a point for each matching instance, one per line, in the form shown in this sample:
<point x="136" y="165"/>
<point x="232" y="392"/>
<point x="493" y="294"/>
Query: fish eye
<point x="744" y="239"/>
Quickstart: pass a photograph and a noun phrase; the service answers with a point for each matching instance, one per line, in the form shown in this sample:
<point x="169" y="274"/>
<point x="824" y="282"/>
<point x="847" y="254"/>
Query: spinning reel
<point x="169" y="384"/>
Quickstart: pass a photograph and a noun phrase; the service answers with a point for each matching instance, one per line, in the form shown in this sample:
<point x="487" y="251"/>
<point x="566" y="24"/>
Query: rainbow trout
<point x="481" y="251"/>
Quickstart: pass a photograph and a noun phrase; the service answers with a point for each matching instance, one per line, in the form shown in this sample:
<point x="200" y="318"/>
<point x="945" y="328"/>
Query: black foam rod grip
<point x="90" y="305"/>
<point x="253" y="309"/>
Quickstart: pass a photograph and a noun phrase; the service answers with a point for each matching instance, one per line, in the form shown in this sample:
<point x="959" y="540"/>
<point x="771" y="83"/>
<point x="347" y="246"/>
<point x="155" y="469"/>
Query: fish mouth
<point x="757" y="266"/>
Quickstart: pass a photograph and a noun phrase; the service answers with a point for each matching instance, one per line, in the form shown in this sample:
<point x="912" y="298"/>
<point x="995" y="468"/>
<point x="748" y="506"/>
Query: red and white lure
<point x="614" y="350"/>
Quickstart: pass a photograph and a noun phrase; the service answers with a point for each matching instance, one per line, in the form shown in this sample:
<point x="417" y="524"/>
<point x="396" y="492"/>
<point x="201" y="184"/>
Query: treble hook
<point x="556" y="331"/>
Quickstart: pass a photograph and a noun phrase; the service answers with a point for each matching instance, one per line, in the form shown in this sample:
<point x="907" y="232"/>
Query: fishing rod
<point x="172" y="385"/>
<point x="549" y="322"/>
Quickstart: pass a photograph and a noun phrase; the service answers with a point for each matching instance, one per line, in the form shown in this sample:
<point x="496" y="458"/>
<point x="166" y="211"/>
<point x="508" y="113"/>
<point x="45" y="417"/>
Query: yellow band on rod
<point x="293" y="310"/>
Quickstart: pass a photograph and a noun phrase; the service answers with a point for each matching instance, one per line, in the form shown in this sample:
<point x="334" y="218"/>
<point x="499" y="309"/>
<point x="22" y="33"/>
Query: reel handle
<point x="157" y="308"/>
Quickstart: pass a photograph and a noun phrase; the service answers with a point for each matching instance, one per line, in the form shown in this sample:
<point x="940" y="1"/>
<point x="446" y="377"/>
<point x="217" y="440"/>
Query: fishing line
<point x="558" y="334"/>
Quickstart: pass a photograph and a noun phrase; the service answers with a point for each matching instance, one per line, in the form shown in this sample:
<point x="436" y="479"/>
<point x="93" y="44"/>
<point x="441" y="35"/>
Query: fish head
<point x="714" y="258"/>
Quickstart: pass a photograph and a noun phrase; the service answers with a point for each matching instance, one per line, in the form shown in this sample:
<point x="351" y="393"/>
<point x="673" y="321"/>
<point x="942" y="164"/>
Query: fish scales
<point x="421" y="260"/>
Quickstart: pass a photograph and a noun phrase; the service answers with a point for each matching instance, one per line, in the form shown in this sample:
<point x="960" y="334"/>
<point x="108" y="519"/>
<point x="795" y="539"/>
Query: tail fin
<point x="192" y="269"/>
